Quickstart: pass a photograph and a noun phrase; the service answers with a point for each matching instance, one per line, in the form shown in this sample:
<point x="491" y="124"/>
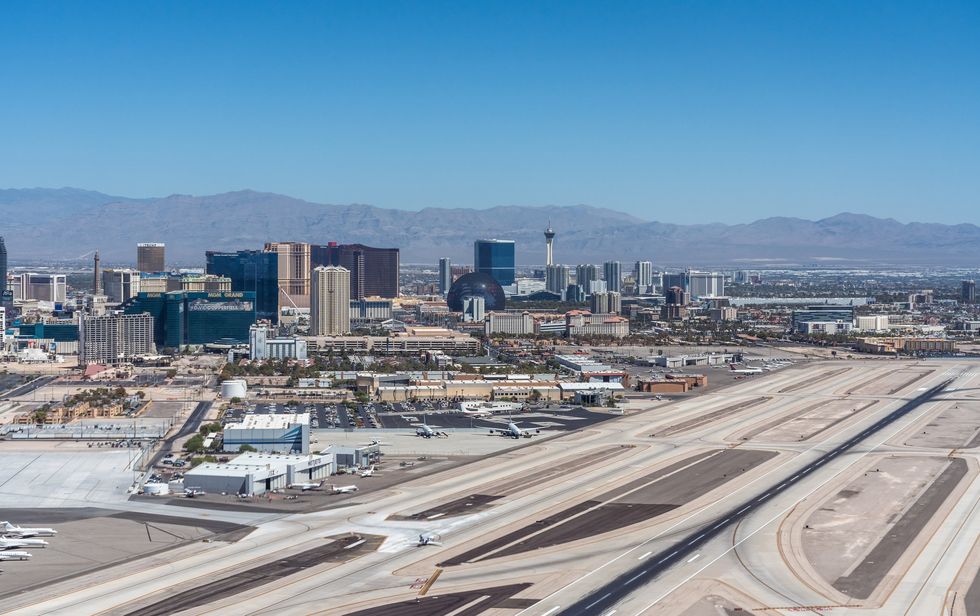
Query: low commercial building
<point x="682" y="361"/>
<point x="345" y="456"/>
<point x="278" y="433"/>
<point x="264" y="344"/>
<point x="874" y="323"/>
<point x="583" y="323"/>
<point x="370" y="310"/>
<point x="511" y="323"/>
<point x="412" y="340"/>
<point x="828" y="328"/>
<point x="256" y="473"/>
<point x="893" y="345"/>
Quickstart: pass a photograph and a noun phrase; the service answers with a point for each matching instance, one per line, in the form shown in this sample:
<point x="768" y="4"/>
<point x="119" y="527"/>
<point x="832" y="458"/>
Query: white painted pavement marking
<point x="777" y="516"/>
<point x="694" y="558"/>
<point x="696" y="513"/>
<point x="599" y="600"/>
<point x="644" y="556"/>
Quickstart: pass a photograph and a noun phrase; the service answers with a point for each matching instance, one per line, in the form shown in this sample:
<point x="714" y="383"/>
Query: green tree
<point x="195" y="444"/>
<point x="246" y="448"/>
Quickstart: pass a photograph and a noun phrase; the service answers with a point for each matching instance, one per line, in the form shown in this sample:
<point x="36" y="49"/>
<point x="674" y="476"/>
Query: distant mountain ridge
<point x="64" y="223"/>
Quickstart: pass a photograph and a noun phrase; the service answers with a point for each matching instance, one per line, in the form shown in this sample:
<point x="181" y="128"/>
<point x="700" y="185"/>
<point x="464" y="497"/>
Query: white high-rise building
<point x="705" y="284"/>
<point x="643" y="273"/>
<point x="474" y="308"/>
<point x="114" y="338"/>
<point x="557" y="278"/>
<point x="330" y="301"/>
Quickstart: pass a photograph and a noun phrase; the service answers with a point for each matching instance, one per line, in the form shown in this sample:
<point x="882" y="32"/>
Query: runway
<point x="619" y="516"/>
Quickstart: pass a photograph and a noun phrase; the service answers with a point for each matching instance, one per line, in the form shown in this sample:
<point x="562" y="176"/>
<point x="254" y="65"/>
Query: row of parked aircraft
<point x="512" y="430"/>
<point x="318" y="485"/>
<point x="13" y="537"/>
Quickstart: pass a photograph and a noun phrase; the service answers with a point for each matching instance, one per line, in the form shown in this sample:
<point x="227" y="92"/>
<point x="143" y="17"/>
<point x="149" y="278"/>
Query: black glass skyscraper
<point x="251" y="270"/>
<point x="496" y="258"/>
<point x="373" y="271"/>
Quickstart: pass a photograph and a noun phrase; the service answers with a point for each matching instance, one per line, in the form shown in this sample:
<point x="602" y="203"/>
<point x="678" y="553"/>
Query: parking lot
<point x="438" y="414"/>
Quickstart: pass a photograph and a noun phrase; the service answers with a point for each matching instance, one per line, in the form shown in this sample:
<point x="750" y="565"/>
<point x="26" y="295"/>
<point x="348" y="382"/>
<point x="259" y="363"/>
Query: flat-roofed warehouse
<point x="278" y="433"/>
<point x="257" y="473"/>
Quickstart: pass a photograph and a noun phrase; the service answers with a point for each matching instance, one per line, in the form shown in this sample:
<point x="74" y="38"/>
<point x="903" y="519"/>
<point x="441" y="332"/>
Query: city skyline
<point x="680" y="113"/>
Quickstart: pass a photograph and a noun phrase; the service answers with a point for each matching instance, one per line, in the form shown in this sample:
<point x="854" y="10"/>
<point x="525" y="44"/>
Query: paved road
<point x="603" y="599"/>
<point x="23" y="390"/>
<point x="191" y="426"/>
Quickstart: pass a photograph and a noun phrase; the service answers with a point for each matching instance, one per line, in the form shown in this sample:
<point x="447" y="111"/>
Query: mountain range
<point x="66" y="224"/>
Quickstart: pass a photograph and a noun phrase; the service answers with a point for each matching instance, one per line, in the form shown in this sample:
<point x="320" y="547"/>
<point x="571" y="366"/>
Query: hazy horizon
<point x="722" y="112"/>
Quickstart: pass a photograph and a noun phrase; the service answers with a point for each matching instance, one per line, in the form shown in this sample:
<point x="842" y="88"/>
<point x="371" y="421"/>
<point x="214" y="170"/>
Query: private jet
<point x="306" y="487"/>
<point x="368" y="472"/>
<point x="6" y="528"/>
<point x="745" y="370"/>
<point x="343" y="489"/>
<point x="426" y="431"/>
<point x="15" y="555"/>
<point x="429" y="539"/>
<point x="10" y="544"/>
<point x="192" y="492"/>
<point x="513" y="431"/>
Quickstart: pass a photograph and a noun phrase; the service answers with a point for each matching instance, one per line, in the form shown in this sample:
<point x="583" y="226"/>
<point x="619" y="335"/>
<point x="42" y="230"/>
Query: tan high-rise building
<point x="150" y="257"/>
<point x="330" y="305"/>
<point x="294" y="273"/>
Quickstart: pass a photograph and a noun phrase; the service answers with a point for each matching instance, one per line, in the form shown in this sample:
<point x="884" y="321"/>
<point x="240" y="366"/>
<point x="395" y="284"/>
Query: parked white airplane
<point x="13" y="543"/>
<point x="368" y="472"/>
<point x="513" y="431"/>
<point x="6" y="528"/>
<point x="343" y="489"/>
<point x="745" y="370"/>
<point x="429" y="539"/>
<point x="306" y="486"/>
<point x="15" y="555"/>
<point x="426" y="431"/>
<point x="192" y="492"/>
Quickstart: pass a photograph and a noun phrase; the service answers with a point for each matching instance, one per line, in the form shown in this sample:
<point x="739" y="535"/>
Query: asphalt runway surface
<point x="339" y="550"/>
<point x="710" y="417"/>
<point x="638" y="501"/>
<point x="972" y="599"/>
<point x="864" y="578"/>
<point x="604" y="598"/>
<point x="468" y="603"/>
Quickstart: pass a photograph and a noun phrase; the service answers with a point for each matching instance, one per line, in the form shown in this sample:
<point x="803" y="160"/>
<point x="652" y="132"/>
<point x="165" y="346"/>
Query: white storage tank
<point x="233" y="388"/>
<point x="156" y="489"/>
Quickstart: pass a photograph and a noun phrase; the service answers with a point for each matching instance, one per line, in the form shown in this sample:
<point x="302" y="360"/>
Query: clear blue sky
<point x="680" y="111"/>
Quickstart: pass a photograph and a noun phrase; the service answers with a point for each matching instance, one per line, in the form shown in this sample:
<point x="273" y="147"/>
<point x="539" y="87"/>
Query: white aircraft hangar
<point x="257" y="473"/>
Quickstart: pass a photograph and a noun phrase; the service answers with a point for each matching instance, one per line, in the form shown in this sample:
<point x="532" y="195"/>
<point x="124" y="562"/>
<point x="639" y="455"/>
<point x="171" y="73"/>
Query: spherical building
<point x="476" y="284"/>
